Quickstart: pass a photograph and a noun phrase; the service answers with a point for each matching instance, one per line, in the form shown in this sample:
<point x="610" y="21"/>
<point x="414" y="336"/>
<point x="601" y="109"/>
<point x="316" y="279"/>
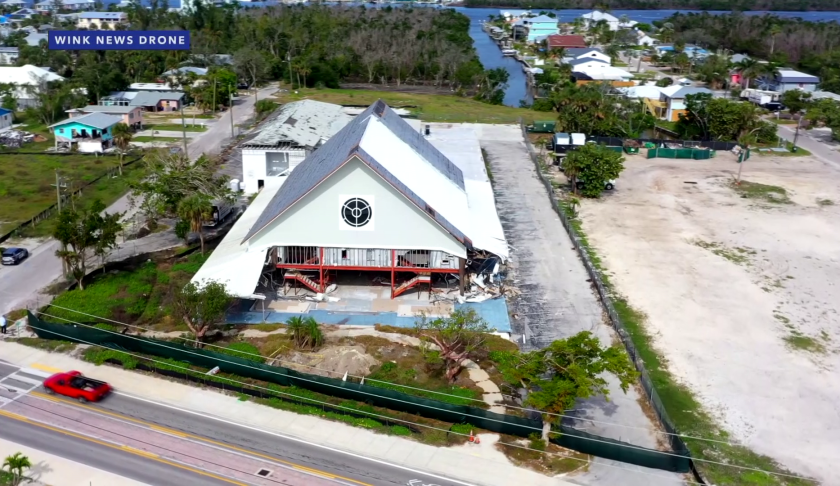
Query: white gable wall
<point x="397" y="223"/>
<point x="254" y="165"/>
<point x="432" y="186"/>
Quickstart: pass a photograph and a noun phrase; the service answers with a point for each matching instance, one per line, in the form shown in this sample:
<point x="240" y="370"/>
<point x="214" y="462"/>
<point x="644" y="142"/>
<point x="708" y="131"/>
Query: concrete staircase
<point x="413" y="282"/>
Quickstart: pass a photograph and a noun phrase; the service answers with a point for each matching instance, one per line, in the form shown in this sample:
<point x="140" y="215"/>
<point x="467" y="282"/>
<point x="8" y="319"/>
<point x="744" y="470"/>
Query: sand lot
<point x="742" y="294"/>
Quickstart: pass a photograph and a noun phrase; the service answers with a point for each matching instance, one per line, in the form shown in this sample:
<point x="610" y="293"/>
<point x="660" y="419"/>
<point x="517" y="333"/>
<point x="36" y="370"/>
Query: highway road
<point x="145" y="441"/>
<point x="20" y="286"/>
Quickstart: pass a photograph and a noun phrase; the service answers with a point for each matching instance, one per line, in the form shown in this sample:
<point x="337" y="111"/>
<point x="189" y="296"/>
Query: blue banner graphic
<point x="119" y="40"/>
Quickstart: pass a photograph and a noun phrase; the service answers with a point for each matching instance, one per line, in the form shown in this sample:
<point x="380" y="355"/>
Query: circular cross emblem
<point x="356" y="212"/>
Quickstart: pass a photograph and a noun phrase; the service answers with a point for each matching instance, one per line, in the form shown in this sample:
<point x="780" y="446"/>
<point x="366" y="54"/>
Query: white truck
<point x="221" y="210"/>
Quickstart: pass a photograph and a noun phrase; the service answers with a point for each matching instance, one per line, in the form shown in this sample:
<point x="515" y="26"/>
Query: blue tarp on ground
<point x="494" y="312"/>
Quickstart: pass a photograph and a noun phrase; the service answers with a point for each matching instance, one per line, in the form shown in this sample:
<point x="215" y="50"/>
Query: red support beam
<point x="300" y="266"/>
<point x="393" y="263"/>
<point x="321" y="272"/>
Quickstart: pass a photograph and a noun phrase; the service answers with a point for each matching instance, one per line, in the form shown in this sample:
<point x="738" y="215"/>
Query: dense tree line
<point x="726" y="5"/>
<point x="306" y="46"/>
<point x="813" y="47"/>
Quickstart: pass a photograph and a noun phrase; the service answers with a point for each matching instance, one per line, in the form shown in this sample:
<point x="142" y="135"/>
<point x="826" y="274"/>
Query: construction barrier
<point x="680" y="153"/>
<point x="393" y="400"/>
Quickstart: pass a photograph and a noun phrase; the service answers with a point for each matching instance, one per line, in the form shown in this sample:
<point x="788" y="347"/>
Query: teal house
<point x="89" y="133"/>
<point x="536" y="28"/>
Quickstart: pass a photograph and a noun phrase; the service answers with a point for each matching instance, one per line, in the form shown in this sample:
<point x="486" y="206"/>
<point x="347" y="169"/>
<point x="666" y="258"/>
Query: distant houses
<point x="535" y="28"/>
<point x="8" y="55"/>
<point x="28" y="80"/>
<point x="788" y="79"/>
<point x="101" y="20"/>
<point x="152" y="101"/>
<point x="558" y="41"/>
<point x="50" y="5"/>
<point x="674" y="100"/>
<point x="613" y="23"/>
<point x="130" y="115"/>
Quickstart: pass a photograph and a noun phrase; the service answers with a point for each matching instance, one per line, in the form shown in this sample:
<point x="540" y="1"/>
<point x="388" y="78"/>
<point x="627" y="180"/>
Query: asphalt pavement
<point x="143" y="440"/>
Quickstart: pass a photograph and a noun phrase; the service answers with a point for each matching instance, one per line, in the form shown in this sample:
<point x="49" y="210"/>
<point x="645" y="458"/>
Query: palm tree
<point x="612" y="51"/>
<point x="16" y="464"/>
<point x="196" y="209"/>
<point x="122" y="138"/>
<point x="305" y="332"/>
<point x="749" y="69"/>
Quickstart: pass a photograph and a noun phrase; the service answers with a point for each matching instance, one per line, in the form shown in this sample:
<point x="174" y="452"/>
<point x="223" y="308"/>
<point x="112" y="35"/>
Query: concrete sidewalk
<point x="49" y="469"/>
<point x="474" y="464"/>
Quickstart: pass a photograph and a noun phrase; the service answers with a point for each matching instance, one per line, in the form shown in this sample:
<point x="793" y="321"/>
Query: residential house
<point x="146" y="100"/>
<point x="44" y="28"/>
<point x="35" y="39"/>
<point x="514" y="14"/>
<point x="131" y="115"/>
<point x="23" y="12"/>
<point x="585" y="53"/>
<point x="558" y="41"/>
<point x="613" y="23"/>
<point x="597" y="71"/>
<point x="101" y="20"/>
<point x="28" y="79"/>
<point x="672" y="99"/>
<point x="645" y="40"/>
<point x="15" y="3"/>
<point x="151" y="87"/>
<point x="534" y="28"/>
<point x="818" y="95"/>
<point x="8" y="55"/>
<point x="90" y="133"/>
<point x="788" y="79"/>
<point x="295" y="131"/>
<point x="198" y="71"/>
<point x="692" y="51"/>
<point x="587" y="63"/>
<point x="648" y="91"/>
<point x="6" y="118"/>
<point x="49" y="5"/>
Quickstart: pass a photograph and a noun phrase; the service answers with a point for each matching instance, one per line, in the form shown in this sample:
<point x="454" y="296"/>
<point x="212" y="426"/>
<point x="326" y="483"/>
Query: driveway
<point x="21" y="285"/>
<point x="557" y="300"/>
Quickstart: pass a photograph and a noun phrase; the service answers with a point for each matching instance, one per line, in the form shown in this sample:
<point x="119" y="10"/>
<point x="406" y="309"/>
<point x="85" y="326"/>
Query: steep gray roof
<point x="301" y="123"/>
<point x="345" y="145"/>
<point x="579" y="51"/>
<point x="687" y="90"/>
<point x="583" y="60"/>
<point x="95" y="120"/>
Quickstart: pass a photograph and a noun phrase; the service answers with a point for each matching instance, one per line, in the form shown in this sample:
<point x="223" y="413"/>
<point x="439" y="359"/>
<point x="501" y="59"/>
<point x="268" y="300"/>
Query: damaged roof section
<point x="300" y="124"/>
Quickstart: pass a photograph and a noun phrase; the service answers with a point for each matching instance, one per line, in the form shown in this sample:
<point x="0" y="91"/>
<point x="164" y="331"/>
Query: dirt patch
<point x="739" y="288"/>
<point x="332" y="361"/>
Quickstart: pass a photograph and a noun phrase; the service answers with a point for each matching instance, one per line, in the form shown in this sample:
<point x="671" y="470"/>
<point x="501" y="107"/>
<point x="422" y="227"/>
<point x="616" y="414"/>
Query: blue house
<point x="90" y="133"/>
<point x="536" y="27"/>
<point x="6" y="118"/>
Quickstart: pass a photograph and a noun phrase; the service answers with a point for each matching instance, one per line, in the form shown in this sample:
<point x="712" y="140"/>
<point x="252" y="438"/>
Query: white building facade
<point x="284" y="142"/>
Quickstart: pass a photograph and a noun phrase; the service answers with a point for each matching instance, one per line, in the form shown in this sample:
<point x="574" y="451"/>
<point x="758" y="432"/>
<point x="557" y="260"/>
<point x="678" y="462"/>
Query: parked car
<point x="773" y="106"/>
<point x="608" y="186"/>
<point x="13" y="256"/>
<point x="73" y="384"/>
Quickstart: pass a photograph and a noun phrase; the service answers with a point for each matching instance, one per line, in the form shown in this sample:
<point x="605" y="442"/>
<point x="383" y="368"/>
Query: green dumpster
<point x="631" y="150"/>
<point x="543" y="127"/>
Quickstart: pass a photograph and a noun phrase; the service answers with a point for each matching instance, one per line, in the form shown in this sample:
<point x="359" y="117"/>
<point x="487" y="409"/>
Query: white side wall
<point x="5" y="121"/>
<point x="396" y="223"/>
<point x="254" y="164"/>
<point x="90" y="147"/>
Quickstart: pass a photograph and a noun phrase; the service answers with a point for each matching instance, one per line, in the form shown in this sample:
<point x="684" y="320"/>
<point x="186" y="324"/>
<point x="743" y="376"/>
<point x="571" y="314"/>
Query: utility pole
<point x="214" y="96"/>
<point x="58" y="190"/>
<point x="184" y="130"/>
<point x="796" y="134"/>
<point x="232" y="135"/>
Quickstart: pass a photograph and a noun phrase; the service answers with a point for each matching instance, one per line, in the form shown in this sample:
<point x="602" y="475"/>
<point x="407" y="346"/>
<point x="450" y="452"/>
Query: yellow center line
<point x="48" y="369"/>
<point x="195" y="437"/>
<point x="127" y="449"/>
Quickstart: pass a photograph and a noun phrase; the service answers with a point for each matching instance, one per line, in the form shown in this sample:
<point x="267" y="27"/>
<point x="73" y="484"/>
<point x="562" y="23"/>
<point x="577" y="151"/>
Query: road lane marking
<point x="50" y="369"/>
<point x="295" y="439"/>
<point x="140" y="452"/>
<point x="123" y="448"/>
<point x="193" y="436"/>
<point x="23" y="379"/>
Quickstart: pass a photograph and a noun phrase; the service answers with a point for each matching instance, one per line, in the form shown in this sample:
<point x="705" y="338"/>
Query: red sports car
<point x="72" y="384"/>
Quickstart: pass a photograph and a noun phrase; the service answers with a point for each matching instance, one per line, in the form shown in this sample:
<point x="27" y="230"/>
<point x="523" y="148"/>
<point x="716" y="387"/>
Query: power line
<point x="363" y="378"/>
<point x="353" y="410"/>
<point x="627" y="446"/>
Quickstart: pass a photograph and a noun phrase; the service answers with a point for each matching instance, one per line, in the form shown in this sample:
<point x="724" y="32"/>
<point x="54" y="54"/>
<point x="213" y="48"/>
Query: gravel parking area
<point x="741" y="288"/>
<point x="557" y="300"/>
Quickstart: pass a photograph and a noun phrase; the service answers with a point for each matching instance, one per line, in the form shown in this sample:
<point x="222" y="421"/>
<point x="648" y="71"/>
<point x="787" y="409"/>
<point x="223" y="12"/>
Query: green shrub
<point x="400" y="430"/>
<point x="536" y="442"/>
<point x="464" y="429"/>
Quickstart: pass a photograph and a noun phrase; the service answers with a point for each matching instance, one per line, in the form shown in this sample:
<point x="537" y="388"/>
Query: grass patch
<point x="137" y="296"/>
<point x="667" y="125"/>
<point x="798" y="341"/>
<point x="51" y="345"/>
<point x="782" y="121"/>
<point x="682" y="405"/>
<point x="156" y="139"/>
<point x="762" y="192"/>
<point x="393" y="373"/>
<point x="547" y="459"/>
<point x="825" y="202"/>
<point x="429" y="107"/>
<point x="242" y="350"/>
<point x="737" y="255"/>
<point x="174" y="127"/>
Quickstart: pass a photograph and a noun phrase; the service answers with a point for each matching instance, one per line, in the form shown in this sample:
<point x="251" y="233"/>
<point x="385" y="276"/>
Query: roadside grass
<point x="798" y="341"/>
<point x="27" y="185"/>
<point x="175" y="127"/>
<point x="715" y="460"/>
<point x="558" y="460"/>
<point x="298" y="400"/>
<point x="51" y="345"/>
<point x="144" y="138"/>
<point x="763" y="192"/>
<point x="427" y="107"/>
<point x="138" y="296"/>
<point x="800" y="152"/>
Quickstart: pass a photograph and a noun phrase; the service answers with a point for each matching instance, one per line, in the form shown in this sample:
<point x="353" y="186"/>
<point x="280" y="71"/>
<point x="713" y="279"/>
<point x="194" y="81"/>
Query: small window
<point x="60" y="130"/>
<point x="343" y="254"/>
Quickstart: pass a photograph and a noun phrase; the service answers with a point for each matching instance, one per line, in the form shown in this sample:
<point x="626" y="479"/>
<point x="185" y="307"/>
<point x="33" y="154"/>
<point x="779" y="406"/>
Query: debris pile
<point x="15" y="138"/>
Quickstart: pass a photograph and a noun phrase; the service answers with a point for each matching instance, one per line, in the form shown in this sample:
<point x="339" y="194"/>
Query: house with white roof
<point x="15" y="3"/>
<point x="49" y="5"/>
<point x="584" y="53"/>
<point x="674" y="100"/>
<point x="788" y="79"/>
<point x="613" y="23"/>
<point x="514" y="14"/>
<point x="294" y="132"/>
<point x="380" y="205"/>
<point x="101" y="20"/>
<point x="28" y="79"/>
<point x="35" y="39"/>
<point x="8" y="55"/>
